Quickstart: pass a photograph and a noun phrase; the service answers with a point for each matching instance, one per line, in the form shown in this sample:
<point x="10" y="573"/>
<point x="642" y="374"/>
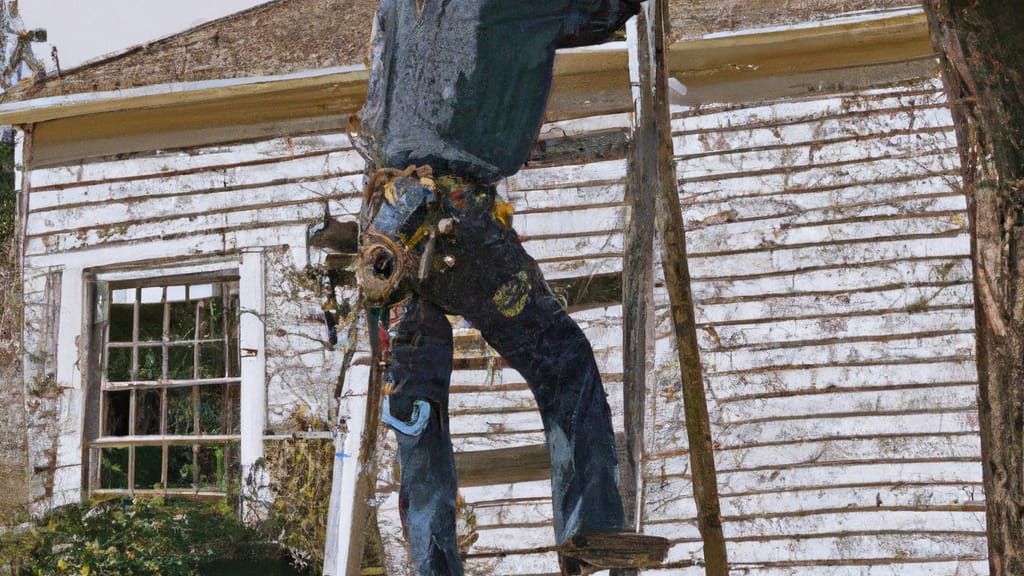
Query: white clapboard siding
<point x="829" y="250"/>
<point x="195" y="202"/>
<point x="206" y="158"/>
<point x="830" y="260"/>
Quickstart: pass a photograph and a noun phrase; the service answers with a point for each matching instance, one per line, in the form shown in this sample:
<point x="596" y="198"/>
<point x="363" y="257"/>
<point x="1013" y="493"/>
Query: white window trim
<point x="249" y="268"/>
<point x="252" y="345"/>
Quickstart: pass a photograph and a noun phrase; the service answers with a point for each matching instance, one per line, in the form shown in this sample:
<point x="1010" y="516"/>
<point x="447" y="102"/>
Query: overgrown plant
<point x="130" y="537"/>
<point x="300" y="471"/>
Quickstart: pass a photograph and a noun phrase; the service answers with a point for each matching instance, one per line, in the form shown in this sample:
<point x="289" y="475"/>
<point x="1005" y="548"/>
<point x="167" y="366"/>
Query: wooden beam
<point x="677" y="281"/>
<point x="843" y="43"/>
<point x="638" y="272"/>
<point x="509" y="465"/>
<point x="587" y="82"/>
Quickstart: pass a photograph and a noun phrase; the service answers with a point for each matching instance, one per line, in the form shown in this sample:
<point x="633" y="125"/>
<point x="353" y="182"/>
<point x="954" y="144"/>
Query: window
<point x="169" y="389"/>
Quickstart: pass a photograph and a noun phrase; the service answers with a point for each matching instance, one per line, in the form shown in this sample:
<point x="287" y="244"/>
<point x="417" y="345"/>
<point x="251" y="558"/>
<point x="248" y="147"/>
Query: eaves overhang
<point x="587" y="81"/>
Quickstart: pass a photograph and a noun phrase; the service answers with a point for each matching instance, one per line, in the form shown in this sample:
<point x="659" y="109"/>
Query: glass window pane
<point x="148" y="465"/>
<point x="151" y="360"/>
<point x="114" y="468"/>
<point x="183" y="321"/>
<point x="234" y="368"/>
<point x="152" y="295"/>
<point x="115" y="413"/>
<point x="147" y="412"/>
<point x="211" y="318"/>
<point x="211" y="409"/>
<point x="121" y="316"/>
<point x="180" y="467"/>
<point x="211" y="360"/>
<point x="180" y="411"/>
<point x="235" y="408"/>
<point x="180" y="362"/>
<point x="122" y="296"/>
<point x="213" y="468"/>
<point x="176" y="294"/>
<point x="119" y="364"/>
<point x="200" y="291"/>
<point x="151" y="322"/>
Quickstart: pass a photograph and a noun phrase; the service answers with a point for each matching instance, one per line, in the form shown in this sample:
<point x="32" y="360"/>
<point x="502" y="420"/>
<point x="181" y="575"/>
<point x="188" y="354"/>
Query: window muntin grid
<point x="170" y="407"/>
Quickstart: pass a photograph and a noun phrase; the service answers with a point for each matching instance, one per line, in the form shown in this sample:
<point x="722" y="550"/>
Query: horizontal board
<point x="913" y="218"/>
<point x="555" y="198"/>
<point x="519" y="512"/>
<point x="833" y="329"/>
<point x="528" y="538"/>
<point x="317" y="167"/>
<point x="934" y="421"/>
<point x="777" y="159"/>
<point x="888" y="567"/>
<point x="535" y="564"/>
<point x="193" y="206"/>
<point x="606" y="241"/>
<point x="863" y="171"/>
<point x="938" y="448"/>
<point x="842" y="302"/>
<point x="562" y="176"/>
<point x="498" y="493"/>
<point x="786" y="382"/>
<point x="808" y="109"/>
<point x="577" y="126"/>
<point x="727" y="203"/>
<point x="671" y="499"/>
<point x="185" y="229"/>
<point x="474" y="441"/>
<point x="194" y="245"/>
<point x="771" y="260"/>
<point x="597" y="265"/>
<point x="830" y="476"/>
<point x="860" y="547"/>
<point x="881" y="401"/>
<point x="147" y="166"/>
<point x="922" y="348"/>
<point x="847" y="281"/>
<point x="574" y="222"/>
<point x="831" y="523"/>
<point x="703" y="141"/>
<point x="479" y="402"/>
<point x="490" y="426"/>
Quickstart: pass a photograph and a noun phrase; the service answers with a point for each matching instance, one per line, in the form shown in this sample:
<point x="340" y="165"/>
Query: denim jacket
<point x="461" y="85"/>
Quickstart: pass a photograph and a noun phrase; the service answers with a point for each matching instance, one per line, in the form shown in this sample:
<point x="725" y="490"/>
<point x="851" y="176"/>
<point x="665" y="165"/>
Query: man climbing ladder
<point x="456" y="96"/>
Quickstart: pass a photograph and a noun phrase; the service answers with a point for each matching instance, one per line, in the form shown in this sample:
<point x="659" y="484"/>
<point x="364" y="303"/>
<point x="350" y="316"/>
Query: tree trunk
<point x="981" y="45"/>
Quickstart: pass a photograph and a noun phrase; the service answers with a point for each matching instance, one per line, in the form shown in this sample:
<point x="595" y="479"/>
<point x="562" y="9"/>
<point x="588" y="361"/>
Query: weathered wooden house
<point x="174" y="323"/>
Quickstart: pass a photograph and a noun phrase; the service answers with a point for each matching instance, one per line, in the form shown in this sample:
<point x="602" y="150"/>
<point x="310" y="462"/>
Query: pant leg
<point x="495" y="284"/>
<point x="420" y="368"/>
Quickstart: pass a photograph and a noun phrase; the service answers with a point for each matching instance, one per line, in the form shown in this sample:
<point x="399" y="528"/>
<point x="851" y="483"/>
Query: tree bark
<point x="981" y="46"/>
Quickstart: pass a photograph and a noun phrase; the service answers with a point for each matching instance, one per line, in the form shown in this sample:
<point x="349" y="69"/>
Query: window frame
<point x="101" y="289"/>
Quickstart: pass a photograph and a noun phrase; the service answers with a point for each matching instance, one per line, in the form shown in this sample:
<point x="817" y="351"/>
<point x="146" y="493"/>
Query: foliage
<point x="301" y="471"/>
<point x="126" y="537"/>
<point x="8" y="197"/>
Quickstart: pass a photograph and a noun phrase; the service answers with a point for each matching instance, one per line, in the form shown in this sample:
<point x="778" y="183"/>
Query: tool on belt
<point x="402" y="217"/>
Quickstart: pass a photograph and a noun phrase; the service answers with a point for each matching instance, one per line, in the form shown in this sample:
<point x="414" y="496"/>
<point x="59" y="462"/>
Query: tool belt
<point x="402" y="215"/>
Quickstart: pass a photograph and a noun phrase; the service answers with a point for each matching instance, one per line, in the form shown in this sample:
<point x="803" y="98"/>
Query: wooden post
<point x="637" y="275"/>
<point x="983" y="68"/>
<point x="669" y="222"/>
<point x="355" y="463"/>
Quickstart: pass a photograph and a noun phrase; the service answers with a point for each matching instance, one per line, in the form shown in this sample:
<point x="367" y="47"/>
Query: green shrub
<point x="129" y="538"/>
<point x="8" y="197"/>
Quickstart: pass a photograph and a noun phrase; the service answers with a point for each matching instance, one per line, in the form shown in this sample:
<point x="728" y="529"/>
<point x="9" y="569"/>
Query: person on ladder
<point x="456" y="97"/>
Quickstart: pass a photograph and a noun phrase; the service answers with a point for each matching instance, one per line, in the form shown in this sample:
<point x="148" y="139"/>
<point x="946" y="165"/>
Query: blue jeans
<point x="481" y="272"/>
